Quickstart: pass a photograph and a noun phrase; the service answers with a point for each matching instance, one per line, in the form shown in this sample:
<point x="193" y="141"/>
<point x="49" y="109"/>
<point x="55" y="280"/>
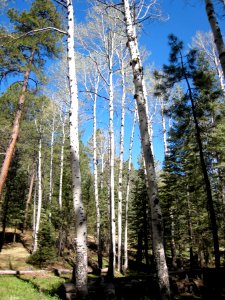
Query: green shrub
<point x="46" y="252"/>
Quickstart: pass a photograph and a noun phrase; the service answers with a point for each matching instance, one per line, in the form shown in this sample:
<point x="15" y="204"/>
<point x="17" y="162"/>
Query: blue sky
<point x="185" y="18"/>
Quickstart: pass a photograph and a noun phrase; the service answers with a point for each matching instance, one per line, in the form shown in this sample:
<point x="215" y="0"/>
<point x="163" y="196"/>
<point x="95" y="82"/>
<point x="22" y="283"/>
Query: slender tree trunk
<point x="172" y="225"/>
<point x="190" y="230"/>
<point x="51" y="165"/>
<point x="29" y="197"/>
<point x="80" y="217"/>
<point x="34" y="209"/>
<point x="125" y="267"/>
<point x="61" y="165"/>
<point x="156" y="214"/>
<point x="16" y="128"/>
<point x="61" y="232"/>
<point x="210" y="206"/>
<point x="95" y="164"/>
<point x="38" y="218"/>
<point x="120" y="188"/>
<point x="218" y="38"/>
<point x="112" y="250"/>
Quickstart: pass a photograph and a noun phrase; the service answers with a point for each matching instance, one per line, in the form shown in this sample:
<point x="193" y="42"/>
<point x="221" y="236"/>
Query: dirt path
<point x="13" y="257"/>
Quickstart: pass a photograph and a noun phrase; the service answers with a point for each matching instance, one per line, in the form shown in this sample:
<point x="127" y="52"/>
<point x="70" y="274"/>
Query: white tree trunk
<point x="95" y="164"/>
<point x="219" y="71"/>
<point x="80" y="218"/>
<point x="51" y="164"/>
<point x="29" y="197"/>
<point x="120" y="187"/>
<point x="112" y="250"/>
<point x="164" y="127"/>
<point x="39" y="207"/>
<point x="218" y="38"/>
<point x="156" y="215"/>
<point x="125" y="266"/>
<point x="61" y="163"/>
<point x="34" y="210"/>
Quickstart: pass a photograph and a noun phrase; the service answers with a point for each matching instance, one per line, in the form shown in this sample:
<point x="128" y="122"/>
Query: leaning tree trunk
<point x="80" y="217"/>
<point x="16" y="128"/>
<point x="29" y="197"/>
<point x="120" y="188"/>
<point x="125" y="266"/>
<point x="156" y="214"/>
<point x="218" y="38"/>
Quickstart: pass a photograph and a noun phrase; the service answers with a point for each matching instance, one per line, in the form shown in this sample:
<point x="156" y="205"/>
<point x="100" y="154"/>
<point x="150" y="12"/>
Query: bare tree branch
<point x="33" y="32"/>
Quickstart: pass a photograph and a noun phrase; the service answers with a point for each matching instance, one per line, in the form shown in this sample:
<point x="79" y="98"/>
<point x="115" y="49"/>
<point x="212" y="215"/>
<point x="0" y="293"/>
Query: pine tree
<point x="23" y="54"/>
<point x="202" y="90"/>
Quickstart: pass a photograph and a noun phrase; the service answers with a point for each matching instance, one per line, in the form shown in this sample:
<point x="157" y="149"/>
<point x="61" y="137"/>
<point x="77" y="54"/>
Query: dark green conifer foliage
<point x="139" y="231"/>
<point x="46" y="252"/>
<point x="23" y="53"/>
<point x="195" y="111"/>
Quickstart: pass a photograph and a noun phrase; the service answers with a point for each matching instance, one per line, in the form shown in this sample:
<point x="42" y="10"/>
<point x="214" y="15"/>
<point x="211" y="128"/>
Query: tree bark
<point x="156" y="215"/>
<point x="38" y="218"/>
<point x="120" y="181"/>
<point x="125" y="267"/>
<point x="61" y="164"/>
<point x="80" y="217"/>
<point x="51" y="164"/>
<point x="16" y="127"/>
<point x="95" y="164"/>
<point x="210" y="205"/>
<point x="218" y="38"/>
<point x="112" y="250"/>
<point x="29" y="197"/>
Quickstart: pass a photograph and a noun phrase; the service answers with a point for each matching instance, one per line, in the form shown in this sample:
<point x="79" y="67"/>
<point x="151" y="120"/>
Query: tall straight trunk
<point x="125" y="266"/>
<point x="210" y="205"/>
<point x="16" y="127"/>
<point x="60" y="246"/>
<point x="95" y="164"/>
<point x="112" y="246"/>
<point x="29" y="197"/>
<point x="156" y="214"/>
<point x="190" y="230"/>
<point x="80" y="217"/>
<point x="171" y="216"/>
<point x="218" y="38"/>
<point x="61" y="164"/>
<point x="38" y="218"/>
<point x="51" y="164"/>
<point x="34" y="208"/>
<point x="120" y="181"/>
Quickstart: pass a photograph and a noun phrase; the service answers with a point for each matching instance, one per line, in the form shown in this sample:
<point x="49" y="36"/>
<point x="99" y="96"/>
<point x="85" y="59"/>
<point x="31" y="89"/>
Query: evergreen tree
<point x="22" y="53"/>
<point x="196" y="110"/>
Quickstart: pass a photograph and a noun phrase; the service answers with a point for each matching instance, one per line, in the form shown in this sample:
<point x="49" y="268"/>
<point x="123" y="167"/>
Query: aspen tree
<point x="218" y="38"/>
<point x="80" y="218"/>
<point x="156" y="214"/>
<point x="203" y="41"/>
<point x="120" y="179"/>
<point x="39" y="178"/>
<point x="125" y="266"/>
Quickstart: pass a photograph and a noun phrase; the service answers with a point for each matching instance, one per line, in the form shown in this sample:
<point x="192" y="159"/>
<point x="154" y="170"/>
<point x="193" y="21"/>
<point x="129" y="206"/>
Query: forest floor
<point x="207" y="284"/>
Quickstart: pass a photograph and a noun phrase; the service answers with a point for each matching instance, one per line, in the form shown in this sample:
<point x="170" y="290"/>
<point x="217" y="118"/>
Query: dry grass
<point x="13" y="257"/>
